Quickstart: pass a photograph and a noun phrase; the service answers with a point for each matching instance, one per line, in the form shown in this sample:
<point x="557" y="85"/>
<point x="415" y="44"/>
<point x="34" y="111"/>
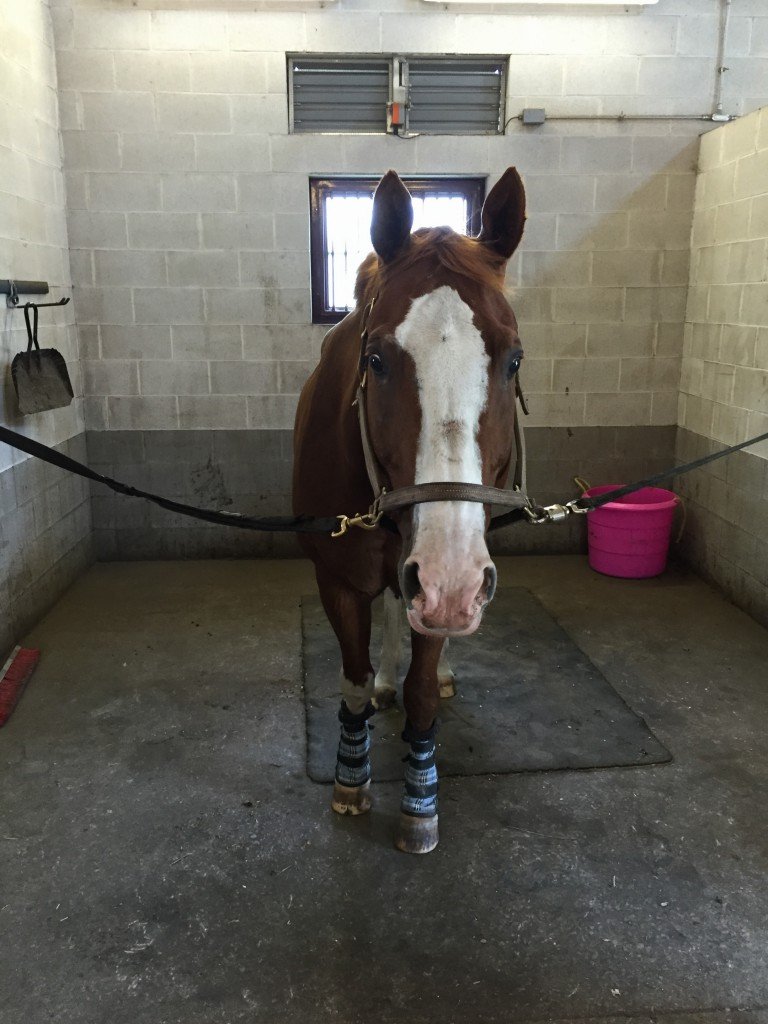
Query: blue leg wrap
<point x="420" y="794"/>
<point x="353" y="765"/>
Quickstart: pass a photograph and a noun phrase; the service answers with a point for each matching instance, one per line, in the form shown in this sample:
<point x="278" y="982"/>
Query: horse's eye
<point x="513" y="366"/>
<point x="376" y="363"/>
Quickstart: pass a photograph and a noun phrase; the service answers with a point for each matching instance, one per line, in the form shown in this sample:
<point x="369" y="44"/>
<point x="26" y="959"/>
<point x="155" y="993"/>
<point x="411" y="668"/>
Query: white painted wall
<point x="33" y="230"/>
<point x="188" y="204"/>
<point x="724" y="384"/>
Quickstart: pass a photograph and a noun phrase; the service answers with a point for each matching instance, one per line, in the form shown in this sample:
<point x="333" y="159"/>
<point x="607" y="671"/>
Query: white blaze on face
<point x="452" y="377"/>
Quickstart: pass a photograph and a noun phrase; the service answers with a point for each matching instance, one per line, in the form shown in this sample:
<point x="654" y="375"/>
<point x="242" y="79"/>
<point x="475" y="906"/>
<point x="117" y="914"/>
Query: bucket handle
<point x="582" y="484"/>
<point x="683" y="518"/>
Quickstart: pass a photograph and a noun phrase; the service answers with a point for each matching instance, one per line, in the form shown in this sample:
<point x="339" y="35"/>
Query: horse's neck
<point x="333" y="451"/>
<point x="339" y="370"/>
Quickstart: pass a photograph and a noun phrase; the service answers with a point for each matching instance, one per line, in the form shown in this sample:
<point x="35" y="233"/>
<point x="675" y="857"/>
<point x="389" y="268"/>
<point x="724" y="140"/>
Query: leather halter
<point x="448" y="490"/>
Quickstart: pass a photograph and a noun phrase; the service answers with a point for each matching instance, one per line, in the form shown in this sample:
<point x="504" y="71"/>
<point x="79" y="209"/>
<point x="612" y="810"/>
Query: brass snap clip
<point x="576" y="509"/>
<point x="547" y="514"/>
<point x="366" y="521"/>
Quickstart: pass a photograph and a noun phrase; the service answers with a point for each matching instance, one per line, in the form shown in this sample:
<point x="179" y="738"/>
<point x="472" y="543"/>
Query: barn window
<point x="404" y="96"/>
<point x="340" y="221"/>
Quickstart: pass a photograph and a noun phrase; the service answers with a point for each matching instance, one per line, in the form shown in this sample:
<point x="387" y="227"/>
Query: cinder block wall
<point x="188" y="220"/>
<point x="188" y="217"/>
<point x="724" y="385"/>
<point x="45" y="517"/>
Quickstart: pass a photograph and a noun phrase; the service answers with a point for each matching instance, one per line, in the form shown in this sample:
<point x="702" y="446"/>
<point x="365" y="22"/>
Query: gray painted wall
<point x="726" y="535"/>
<point x="250" y="470"/>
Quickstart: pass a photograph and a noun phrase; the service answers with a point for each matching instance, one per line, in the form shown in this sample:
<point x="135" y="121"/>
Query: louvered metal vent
<point x="442" y="95"/>
<point x="338" y="95"/>
<point x="456" y="96"/>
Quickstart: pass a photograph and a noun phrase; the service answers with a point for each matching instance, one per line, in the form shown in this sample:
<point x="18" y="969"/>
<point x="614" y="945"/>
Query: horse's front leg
<point x="349" y="613"/>
<point x="417" y="826"/>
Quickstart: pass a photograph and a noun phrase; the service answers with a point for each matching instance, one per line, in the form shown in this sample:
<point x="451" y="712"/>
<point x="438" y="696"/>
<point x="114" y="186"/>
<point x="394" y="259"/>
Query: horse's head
<point x="441" y="353"/>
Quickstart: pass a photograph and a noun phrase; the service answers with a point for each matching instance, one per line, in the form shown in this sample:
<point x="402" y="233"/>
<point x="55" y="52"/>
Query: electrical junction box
<point x="534" y="115"/>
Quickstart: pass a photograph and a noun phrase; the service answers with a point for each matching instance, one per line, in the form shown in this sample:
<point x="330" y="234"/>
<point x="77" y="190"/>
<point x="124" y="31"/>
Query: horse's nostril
<point x="411" y="585"/>
<point x="490" y="582"/>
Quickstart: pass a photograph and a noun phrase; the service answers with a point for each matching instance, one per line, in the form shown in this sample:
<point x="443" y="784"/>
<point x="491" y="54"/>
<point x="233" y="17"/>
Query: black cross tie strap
<point x="271" y="524"/>
<point x="580" y="506"/>
<point x="330" y="524"/>
<point x="587" y="504"/>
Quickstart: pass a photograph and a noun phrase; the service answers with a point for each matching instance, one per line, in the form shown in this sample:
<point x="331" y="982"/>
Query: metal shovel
<point x="40" y="376"/>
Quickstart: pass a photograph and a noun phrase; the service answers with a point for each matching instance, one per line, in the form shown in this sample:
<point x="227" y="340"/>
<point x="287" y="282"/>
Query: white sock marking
<point x="356" y="697"/>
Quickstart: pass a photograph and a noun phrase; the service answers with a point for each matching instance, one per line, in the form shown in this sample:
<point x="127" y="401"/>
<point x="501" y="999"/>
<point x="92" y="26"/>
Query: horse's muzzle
<point x="440" y="606"/>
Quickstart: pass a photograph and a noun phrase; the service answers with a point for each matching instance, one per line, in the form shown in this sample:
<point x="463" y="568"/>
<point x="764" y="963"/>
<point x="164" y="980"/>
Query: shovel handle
<point x="31" y="330"/>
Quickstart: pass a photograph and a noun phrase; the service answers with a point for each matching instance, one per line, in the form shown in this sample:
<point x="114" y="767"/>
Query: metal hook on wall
<point x="43" y="305"/>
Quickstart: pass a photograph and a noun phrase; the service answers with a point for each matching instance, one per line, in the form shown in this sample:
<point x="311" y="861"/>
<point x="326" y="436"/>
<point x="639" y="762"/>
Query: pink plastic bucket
<point x="629" y="537"/>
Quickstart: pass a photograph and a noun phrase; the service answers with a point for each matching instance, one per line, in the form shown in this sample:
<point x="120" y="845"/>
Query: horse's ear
<point x="392" y="217"/>
<point x="503" y="216"/>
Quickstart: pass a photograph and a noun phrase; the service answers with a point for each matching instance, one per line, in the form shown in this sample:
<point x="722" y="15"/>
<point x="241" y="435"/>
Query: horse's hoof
<point x="384" y="697"/>
<point x="351" y="799"/>
<point x="416" y="835"/>
<point x="447" y="687"/>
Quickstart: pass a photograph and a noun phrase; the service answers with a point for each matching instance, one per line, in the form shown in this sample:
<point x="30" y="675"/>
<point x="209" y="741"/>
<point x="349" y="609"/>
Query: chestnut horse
<point x="433" y="346"/>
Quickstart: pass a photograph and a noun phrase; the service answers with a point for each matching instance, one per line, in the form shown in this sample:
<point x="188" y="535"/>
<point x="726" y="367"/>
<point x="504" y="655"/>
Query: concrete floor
<point x="165" y="860"/>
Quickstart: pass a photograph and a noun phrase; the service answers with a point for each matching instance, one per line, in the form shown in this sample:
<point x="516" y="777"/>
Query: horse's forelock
<point x="462" y="256"/>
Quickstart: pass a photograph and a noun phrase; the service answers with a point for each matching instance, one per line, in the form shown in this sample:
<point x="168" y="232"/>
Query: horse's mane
<point x="442" y="246"/>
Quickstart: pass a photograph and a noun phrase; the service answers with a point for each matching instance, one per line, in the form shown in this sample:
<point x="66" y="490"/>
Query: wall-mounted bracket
<point x="14" y="289"/>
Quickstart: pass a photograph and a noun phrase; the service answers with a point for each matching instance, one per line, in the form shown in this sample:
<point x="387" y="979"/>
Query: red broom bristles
<point x="16" y="674"/>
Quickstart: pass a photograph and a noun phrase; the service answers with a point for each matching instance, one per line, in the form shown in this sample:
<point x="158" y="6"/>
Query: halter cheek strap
<point x="520" y="475"/>
<point x="371" y="462"/>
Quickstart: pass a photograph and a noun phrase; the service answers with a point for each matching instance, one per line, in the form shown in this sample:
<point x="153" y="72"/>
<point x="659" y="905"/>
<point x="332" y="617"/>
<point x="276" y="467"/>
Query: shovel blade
<point x="41" y="381"/>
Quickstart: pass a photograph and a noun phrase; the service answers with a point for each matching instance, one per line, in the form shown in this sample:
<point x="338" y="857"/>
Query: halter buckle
<point x="366" y="521"/>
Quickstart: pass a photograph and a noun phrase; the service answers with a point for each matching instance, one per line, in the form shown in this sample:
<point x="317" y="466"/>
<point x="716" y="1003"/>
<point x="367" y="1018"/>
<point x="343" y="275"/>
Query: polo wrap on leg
<point x="420" y="793"/>
<point x="353" y="765"/>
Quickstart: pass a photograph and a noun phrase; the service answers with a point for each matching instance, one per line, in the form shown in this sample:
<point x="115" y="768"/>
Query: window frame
<point x="471" y="186"/>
